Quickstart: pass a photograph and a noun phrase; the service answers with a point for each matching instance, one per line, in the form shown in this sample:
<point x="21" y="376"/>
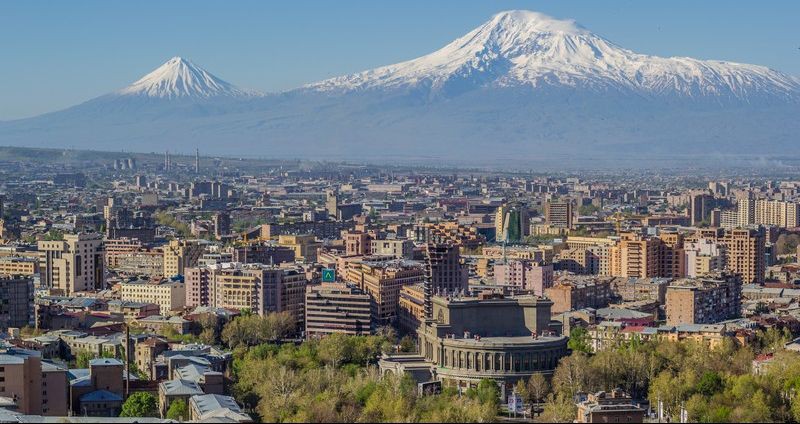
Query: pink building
<point x="196" y="281"/>
<point x="524" y="274"/>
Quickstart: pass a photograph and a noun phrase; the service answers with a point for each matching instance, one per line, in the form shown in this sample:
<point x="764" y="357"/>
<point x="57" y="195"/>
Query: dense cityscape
<point x="458" y="211"/>
<point x="180" y="287"/>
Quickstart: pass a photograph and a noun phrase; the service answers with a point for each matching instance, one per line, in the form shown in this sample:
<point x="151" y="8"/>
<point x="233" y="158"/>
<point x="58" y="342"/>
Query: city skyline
<point x="450" y="211"/>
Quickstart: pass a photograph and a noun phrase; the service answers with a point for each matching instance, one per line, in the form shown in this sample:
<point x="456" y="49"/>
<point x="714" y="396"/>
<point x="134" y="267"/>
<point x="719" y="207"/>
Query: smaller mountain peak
<point x="180" y="78"/>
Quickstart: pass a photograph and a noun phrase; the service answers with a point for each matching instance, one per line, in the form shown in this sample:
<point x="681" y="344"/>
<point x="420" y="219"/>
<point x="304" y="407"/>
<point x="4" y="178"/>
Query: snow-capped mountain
<point x="179" y="78"/>
<point x="521" y="87"/>
<point x="524" y="48"/>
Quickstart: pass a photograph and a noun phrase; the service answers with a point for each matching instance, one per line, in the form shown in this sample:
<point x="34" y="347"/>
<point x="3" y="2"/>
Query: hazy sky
<point x="54" y="54"/>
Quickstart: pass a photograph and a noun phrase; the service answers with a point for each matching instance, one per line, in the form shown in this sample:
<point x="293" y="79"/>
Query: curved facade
<point x="500" y="358"/>
<point x="504" y="339"/>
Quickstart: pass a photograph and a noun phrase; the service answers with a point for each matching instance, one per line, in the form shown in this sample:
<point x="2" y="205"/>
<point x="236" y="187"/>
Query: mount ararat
<point x="521" y="86"/>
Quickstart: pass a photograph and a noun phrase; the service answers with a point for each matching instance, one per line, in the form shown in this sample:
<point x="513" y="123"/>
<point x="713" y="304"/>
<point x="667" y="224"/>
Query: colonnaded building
<point x="467" y="339"/>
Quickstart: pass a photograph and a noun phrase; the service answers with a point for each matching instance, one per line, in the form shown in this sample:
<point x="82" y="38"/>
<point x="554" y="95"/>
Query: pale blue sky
<point x="54" y="54"/>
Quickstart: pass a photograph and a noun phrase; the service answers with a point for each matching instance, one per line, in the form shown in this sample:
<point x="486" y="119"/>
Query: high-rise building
<point x="777" y="213"/>
<point x="703" y="257"/>
<point x="383" y="280"/>
<point x="512" y="223"/>
<point x="337" y="308"/>
<point x="332" y="202"/>
<point x="222" y="224"/>
<point x="645" y="257"/>
<point x="744" y="250"/>
<point x="700" y="206"/>
<point x="559" y="214"/>
<point x="746" y="210"/>
<point x="446" y="272"/>
<point x="729" y="219"/>
<point x="35" y="387"/>
<point x="704" y="300"/>
<point x="357" y="243"/>
<point x="257" y="287"/>
<point x="718" y="188"/>
<point x="181" y="254"/>
<point x="74" y="264"/>
<point x="16" y="301"/>
<point x="524" y="274"/>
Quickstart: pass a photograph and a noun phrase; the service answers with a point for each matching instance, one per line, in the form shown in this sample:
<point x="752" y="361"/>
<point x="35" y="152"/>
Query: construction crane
<point x="618" y="218"/>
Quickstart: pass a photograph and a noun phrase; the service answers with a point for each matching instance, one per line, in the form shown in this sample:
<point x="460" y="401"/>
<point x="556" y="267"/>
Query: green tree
<point x="709" y="384"/>
<point x="178" y="410"/>
<point x="559" y="409"/>
<point x="82" y="359"/>
<point x="140" y="404"/>
<point x="579" y="340"/>
<point x="537" y="388"/>
<point x="407" y="344"/>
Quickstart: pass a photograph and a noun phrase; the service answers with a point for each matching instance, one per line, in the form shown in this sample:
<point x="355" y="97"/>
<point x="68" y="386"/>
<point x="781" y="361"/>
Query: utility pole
<point x="127" y="360"/>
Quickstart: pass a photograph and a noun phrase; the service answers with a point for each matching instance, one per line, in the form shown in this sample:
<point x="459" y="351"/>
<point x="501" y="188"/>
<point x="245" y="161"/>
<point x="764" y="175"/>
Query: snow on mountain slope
<point x="180" y="78"/>
<point x="523" y="48"/>
<point x="522" y="86"/>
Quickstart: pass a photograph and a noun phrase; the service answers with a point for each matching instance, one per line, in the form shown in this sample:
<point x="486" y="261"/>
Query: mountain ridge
<point x="529" y="48"/>
<point x="520" y="85"/>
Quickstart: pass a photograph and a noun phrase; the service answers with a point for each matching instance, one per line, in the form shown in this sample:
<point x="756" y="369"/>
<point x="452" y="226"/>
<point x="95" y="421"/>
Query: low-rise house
<point x="172" y="390"/>
<point x="614" y="407"/>
<point x="206" y="408"/>
<point x="157" y="323"/>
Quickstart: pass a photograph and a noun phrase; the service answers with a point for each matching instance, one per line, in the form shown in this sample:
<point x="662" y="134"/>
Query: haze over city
<point x="355" y="211"/>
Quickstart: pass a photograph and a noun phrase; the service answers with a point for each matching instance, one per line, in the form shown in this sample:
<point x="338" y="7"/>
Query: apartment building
<point x="743" y="250"/>
<point x="639" y="289"/>
<point x="114" y="248"/>
<point x="396" y="248"/>
<point x="16" y="301"/>
<point x="263" y="253"/>
<point x="383" y="279"/>
<point x="74" y="264"/>
<point x="705" y="300"/>
<point x="304" y="246"/>
<point x="181" y="254"/>
<point x="337" y="308"/>
<point x="35" y="387"/>
<point x="462" y="236"/>
<point x="571" y="293"/>
<point x="559" y="214"/>
<point x="169" y="295"/>
<point x="578" y="261"/>
<point x="644" y="257"/>
<point x="411" y="308"/>
<point x="257" y="287"/>
<point x="357" y="244"/>
<point x="18" y="265"/>
<point x="703" y="257"/>
<point x="524" y="275"/>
